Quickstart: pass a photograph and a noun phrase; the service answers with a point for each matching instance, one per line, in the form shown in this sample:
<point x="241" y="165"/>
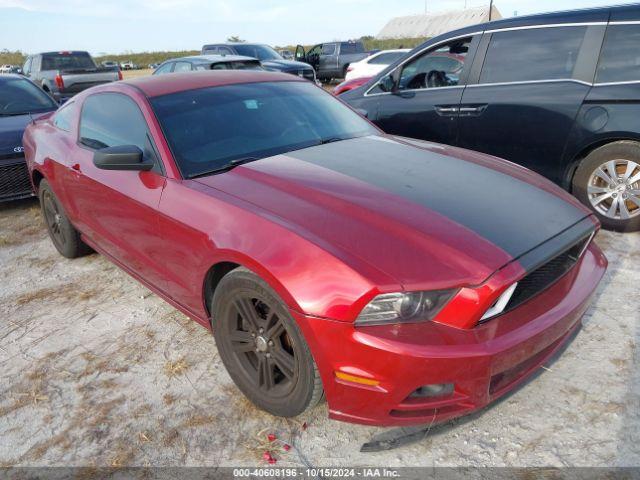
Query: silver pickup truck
<point x="63" y="74"/>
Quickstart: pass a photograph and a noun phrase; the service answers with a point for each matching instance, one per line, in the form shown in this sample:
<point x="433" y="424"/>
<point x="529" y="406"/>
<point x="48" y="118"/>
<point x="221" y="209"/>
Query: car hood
<point x="11" y="130"/>
<point x="421" y="213"/>
<point x="285" y="65"/>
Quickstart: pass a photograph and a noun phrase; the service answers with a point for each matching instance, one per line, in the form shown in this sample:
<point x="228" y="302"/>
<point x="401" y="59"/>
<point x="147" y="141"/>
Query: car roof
<point x="619" y="13"/>
<point x="234" y="44"/>
<point x="157" y="85"/>
<point x="214" y="58"/>
<point x="12" y="76"/>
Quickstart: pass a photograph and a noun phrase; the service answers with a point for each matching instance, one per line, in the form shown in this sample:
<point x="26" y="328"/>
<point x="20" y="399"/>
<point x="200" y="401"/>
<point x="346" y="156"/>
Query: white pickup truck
<point x="63" y="74"/>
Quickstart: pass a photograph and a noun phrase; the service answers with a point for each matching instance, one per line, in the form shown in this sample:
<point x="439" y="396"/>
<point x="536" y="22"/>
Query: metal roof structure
<point x="434" y="24"/>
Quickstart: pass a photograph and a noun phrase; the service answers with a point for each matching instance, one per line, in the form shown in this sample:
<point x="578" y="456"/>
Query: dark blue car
<point x="20" y="102"/>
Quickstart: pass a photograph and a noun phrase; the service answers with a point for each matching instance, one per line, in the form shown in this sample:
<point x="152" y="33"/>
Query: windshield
<point x="210" y="128"/>
<point x="67" y="61"/>
<point x="261" y="52"/>
<point x="19" y="96"/>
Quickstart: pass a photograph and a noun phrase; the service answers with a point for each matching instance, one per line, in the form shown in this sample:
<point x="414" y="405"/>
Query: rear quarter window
<point x="620" y="56"/>
<point x="530" y="55"/>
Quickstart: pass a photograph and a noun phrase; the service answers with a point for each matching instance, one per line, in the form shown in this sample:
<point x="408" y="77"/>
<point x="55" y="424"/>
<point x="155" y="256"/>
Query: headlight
<point x="404" y="307"/>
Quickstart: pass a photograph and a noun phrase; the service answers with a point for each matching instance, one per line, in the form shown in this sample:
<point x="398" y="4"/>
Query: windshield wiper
<point x="225" y="168"/>
<point x="324" y="141"/>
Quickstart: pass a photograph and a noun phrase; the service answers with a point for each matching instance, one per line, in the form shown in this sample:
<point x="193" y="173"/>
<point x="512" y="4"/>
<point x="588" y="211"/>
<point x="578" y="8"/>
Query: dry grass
<point x="129" y="74"/>
<point x="177" y="368"/>
<point x="65" y="292"/>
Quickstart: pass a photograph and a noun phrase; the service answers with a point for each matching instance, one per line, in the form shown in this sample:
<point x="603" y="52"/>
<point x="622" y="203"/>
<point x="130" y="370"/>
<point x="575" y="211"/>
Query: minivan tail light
<point x="59" y="81"/>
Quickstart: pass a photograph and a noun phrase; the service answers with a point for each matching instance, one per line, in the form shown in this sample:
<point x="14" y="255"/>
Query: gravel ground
<point x="95" y="370"/>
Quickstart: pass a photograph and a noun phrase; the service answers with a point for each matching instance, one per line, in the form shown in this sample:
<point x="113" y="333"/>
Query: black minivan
<point x="558" y="93"/>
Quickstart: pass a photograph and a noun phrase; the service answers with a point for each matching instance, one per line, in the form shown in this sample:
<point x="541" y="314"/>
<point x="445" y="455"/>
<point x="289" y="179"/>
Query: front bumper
<point x="483" y="363"/>
<point x="14" y="179"/>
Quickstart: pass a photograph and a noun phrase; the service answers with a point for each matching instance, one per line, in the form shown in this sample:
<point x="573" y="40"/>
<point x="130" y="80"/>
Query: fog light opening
<point x="433" y="390"/>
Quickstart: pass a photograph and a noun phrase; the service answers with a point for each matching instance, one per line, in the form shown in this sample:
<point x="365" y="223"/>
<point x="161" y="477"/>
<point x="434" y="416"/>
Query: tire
<point x="63" y="234"/>
<point x="608" y="181"/>
<point x="261" y="346"/>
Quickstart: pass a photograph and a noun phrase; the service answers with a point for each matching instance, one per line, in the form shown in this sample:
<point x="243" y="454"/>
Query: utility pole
<point x="425" y="6"/>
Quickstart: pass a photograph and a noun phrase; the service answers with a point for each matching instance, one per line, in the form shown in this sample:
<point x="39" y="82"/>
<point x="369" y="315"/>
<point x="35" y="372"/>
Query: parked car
<point x="331" y="60"/>
<point x="374" y="64"/>
<point x="21" y="101"/>
<point x="391" y="274"/>
<point x="286" y="54"/>
<point x="153" y="66"/>
<point x="64" y="74"/>
<point x="350" y="85"/>
<point x="6" y="68"/>
<point x="555" y="93"/>
<point x="110" y="64"/>
<point x="208" y="62"/>
<point x="128" y="65"/>
<point x="269" y="58"/>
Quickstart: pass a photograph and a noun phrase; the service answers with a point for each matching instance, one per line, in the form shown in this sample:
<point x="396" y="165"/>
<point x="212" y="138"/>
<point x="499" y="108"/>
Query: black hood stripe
<point x="510" y="213"/>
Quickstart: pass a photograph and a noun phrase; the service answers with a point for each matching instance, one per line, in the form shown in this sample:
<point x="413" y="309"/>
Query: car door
<point x="420" y="98"/>
<point x="525" y="100"/>
<point x="328" y="62"/>
<point x="117" y="210"/>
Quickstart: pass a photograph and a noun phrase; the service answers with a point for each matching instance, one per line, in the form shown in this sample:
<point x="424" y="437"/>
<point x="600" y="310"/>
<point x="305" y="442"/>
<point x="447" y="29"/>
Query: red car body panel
<point x="350" y="85"/>
<point x="327" y="243"/>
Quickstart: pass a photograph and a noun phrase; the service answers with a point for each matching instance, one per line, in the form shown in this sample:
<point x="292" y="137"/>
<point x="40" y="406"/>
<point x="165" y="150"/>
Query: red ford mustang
<point x="406" y="281"/>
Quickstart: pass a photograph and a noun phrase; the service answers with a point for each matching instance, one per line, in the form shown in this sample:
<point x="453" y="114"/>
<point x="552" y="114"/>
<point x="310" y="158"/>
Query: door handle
<point x="447" y="110"/>
<point x="472" y="110"/>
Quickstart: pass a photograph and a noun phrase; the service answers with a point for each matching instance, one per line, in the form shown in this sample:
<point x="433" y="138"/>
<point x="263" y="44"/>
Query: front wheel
<point x="63" y="234"/>
<point x="608" y="181"/>
<point x="262" y="347"/>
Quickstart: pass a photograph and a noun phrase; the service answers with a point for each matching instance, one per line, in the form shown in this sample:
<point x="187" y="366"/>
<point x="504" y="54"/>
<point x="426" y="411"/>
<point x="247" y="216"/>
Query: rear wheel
<point x="262" y="347"/>
<point x="64" y="236"/>
<point x="608" y="181"/>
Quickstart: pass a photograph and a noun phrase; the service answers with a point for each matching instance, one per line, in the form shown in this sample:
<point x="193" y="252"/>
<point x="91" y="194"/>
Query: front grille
<point x="14" y="180"/>
<point x="543" y="277"/>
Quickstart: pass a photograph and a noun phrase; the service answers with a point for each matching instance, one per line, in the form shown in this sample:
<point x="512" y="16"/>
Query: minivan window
<point x="530" y="55"/>
<point x="386" y="58"/>
<point x="620" y="57"/>
<point x="436" y="68"/>
<point x="113" y="119"/>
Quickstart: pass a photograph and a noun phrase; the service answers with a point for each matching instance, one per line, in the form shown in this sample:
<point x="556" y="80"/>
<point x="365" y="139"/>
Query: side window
<point x="182" y="67"/>
<point x="113" y="119"/>
<point x="385" y="58"/>
<point x="530" y="55"/>
<point x="436" y="68"/>
<point x="26" y="68"/>
<point x="225" y="51"/>
<point x="346" y="48"/>
<point x="620" y="56"/>
<point x="162" y="69"/>
<point x="62" y="118"/>
<point x="329" y="49"/>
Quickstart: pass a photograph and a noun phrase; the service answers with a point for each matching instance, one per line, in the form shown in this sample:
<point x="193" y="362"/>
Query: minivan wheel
<point x="63" y="234"/>
<point x="261" y="346"/>
<point x="608" y="181"/>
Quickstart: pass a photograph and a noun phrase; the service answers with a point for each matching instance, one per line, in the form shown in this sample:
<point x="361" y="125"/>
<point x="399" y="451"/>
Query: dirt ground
<point x="95" y="370"/>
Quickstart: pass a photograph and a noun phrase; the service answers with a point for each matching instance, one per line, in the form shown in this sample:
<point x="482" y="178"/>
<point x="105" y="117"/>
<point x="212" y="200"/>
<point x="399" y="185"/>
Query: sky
<point x="120" y="26"/>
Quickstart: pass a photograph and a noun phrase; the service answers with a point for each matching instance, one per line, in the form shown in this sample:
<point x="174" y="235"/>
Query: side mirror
<point x="362" y="112"/>
<point x="122" y="157"/>
<point x="387" y="83"/>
